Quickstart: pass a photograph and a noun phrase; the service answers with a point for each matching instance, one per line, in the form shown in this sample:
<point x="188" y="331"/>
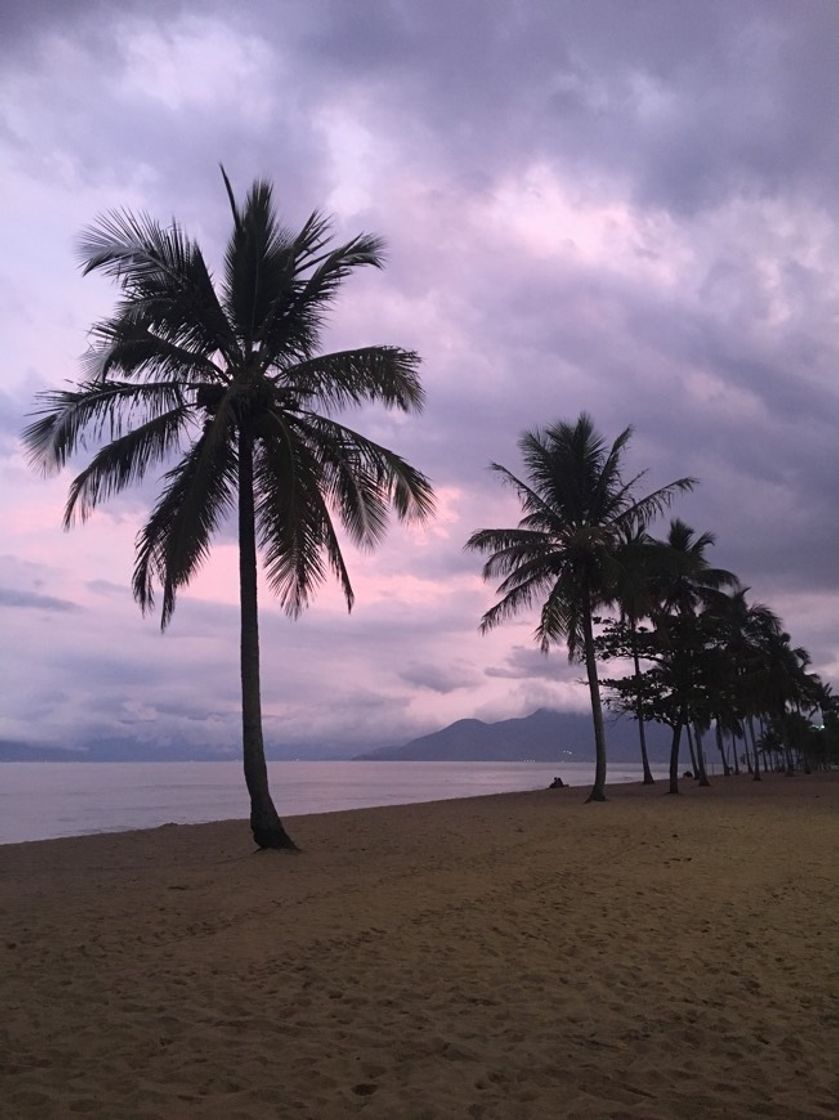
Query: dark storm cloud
<point x="30" y="600"/>
<point x="685" y="103"/>
<point x="442" y="678"/>
<point x="623" y="208"/>
<point x="529" y="663"/>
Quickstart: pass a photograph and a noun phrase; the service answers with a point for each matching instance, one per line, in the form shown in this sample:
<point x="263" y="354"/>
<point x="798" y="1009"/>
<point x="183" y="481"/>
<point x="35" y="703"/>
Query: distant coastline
<point x="544" y="736"/>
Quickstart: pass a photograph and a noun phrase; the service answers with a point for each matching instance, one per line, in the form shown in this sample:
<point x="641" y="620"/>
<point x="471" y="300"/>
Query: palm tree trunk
<point x="674" y="758"/>
<point x="789" y="766"/>
<point x="735" y="757"/>
<point x="694" y="767"/>
<point x="598" y="792"/>
<point x="700" y="759"/>
<point x="751" y="725"/>
<point x="726" y="769"/>
<point x="746" y="752"/>
<point x="267" y="828"/>
<point x="765" y="752"/>
<point x="639" y="710"/>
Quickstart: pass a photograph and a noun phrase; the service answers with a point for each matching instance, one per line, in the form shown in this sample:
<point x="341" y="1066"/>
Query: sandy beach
<point x="518" y="956"/>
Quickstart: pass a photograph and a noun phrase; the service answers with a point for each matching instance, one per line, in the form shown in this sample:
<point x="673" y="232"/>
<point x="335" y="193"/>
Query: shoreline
<point x="515" y="955"/>
<point x="572" y="793"/>
<point x="116" y="797"/>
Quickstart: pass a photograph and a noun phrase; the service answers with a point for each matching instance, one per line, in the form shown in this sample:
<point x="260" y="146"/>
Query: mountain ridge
<point x="546" y="735"/>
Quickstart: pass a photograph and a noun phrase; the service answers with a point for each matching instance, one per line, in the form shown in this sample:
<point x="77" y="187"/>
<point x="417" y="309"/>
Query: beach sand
<point x="518" y="956"/>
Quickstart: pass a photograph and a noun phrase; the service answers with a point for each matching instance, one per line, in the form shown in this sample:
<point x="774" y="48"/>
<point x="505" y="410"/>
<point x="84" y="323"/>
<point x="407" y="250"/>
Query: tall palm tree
<point x="577" y="509"/>
<point x="688" y="581"/>
<point x="637" y="563"/>
<point x="686" y="586"/>
<point x="228" y="377"/>
<point x="745" y="628"/>
<point x="780" y="684"/>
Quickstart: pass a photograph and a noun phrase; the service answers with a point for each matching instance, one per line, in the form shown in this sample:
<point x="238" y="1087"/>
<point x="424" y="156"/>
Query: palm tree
<point x="687" y="586"/>
<point x="745" y="628"/>
<point x="633" y="586"/>
<point x="577" y="510"/>
<point x="688" y="581"/>
<point x="228" y="376"/>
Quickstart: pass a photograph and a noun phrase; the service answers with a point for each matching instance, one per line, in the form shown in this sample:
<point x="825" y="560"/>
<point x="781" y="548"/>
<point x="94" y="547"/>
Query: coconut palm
<point x="227" y="377"/>
<point x="634" y="589"/>
<point x="745" y="629"/>
<point x="688" y="581"/>
<point x="686" y="587"/>
<point x="577" y="510"/>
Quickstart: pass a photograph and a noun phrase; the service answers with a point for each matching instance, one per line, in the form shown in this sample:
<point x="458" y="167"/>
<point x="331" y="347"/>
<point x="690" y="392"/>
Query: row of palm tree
<point x="226" y="378"/>
<point x="699" y="653"/>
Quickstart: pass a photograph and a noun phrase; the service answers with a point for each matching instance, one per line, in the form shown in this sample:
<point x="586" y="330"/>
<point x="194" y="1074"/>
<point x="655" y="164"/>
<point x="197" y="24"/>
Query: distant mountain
<point x="544" y="736"/>
<point x="12" y="750"/>
<point x="132" y="750"/>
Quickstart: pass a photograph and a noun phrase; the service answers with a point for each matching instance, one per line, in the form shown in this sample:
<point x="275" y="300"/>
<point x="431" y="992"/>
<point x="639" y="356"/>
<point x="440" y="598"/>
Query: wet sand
<point x="521" y="956"/>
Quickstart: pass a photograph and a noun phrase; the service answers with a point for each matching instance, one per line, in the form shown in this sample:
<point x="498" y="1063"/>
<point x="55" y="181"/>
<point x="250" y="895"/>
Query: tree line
<point x="698" y="653"/>
<point x="226" y="377"/>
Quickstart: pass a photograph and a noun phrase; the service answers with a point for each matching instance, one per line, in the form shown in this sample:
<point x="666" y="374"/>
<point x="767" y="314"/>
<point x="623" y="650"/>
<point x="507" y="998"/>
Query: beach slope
<point x="520" y="956"/>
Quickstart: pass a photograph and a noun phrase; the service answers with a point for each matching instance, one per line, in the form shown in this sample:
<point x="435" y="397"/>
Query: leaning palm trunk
<point x="726" y="769"/>
<point x="598" y="792"/>
<point x="266" y="826"/>
<point x="639" y="711"/>
<point x="694" y="767"/>
<point x="702" y="773"/>
<point x="674" y="757"/>
<point x="750" y="723"/>
<point x="747" y="752"/>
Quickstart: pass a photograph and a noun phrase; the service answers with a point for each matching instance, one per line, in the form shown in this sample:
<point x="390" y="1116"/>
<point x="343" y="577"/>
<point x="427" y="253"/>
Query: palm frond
<point x="258" y="264"/>
<point x="124" y="461"/>
<point x="294" y="525"/>
<point x="292" y="324"/>
<point x="517" y="598"/>
<point x="199" y="493"/>
<point x="558" y="621"/>
<point x="363" y="479"/>
<point x="644" y="510"/>
<point x="231" y="198"/>
<point x="70" y="418"/>
<point x="532" y="501"/>
<point x="492" y="540"/>
<point x="167" y="285"/>
<point x="307" y="247"/>
<point x="130" y="349"/>
<point x="350" y="377"/>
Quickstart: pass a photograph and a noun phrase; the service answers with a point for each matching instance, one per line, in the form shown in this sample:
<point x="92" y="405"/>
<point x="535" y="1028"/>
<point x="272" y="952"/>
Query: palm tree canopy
<point x="187" y="365"/>
<point x="578" y="508"/>
<point x="687" y="581"/>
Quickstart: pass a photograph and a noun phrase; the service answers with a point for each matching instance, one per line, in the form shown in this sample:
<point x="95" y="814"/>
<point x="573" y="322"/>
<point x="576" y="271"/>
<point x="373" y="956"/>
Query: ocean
<point x="44" y="800"/>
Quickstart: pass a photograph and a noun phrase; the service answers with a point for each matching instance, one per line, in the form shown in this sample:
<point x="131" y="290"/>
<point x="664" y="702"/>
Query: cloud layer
<point x="628" y="209"/>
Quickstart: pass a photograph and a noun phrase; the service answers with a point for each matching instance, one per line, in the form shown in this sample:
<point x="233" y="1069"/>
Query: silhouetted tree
<point x="578" y="508"/>
<point x="229" y="378"/>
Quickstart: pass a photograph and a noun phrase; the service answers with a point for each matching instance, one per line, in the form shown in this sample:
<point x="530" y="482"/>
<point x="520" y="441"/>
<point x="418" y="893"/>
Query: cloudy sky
<point x="624" y="208"/>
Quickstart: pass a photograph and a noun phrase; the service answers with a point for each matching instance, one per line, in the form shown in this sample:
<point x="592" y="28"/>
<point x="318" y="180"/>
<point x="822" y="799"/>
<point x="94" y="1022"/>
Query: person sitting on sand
<point x="557" y="783"/>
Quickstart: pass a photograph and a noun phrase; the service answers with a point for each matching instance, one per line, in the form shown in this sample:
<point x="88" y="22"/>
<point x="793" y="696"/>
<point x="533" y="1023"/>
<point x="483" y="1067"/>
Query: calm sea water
<point x="43" y="800"/>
